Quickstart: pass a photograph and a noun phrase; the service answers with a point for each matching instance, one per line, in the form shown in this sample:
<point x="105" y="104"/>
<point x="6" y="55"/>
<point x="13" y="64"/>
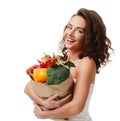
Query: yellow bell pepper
<point x="39" y="74"/>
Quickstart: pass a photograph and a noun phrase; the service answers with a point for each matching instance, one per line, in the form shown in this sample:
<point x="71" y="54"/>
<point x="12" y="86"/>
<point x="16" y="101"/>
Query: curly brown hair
<point x="96" y="43"/>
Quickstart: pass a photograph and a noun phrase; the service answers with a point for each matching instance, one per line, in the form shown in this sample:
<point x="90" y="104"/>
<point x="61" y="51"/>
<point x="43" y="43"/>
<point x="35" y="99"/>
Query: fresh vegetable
<point x="56" y="75"/>
<point x="48" y="61"/>
<point x="51" y="62"/>
<point x="39" y="74"/>
<point x="50" y="69"/>
<point x="30" y="70"/>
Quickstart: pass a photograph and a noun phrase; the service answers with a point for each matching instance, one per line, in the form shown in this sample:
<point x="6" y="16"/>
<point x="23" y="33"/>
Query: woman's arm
<point x="86" y="71"/>
<point x="49" y="103"/>
<point x="31" y="93"/>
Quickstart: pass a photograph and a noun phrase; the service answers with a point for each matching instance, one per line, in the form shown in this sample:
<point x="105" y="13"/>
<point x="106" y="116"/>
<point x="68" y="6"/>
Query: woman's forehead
<point x="78" y="21"/>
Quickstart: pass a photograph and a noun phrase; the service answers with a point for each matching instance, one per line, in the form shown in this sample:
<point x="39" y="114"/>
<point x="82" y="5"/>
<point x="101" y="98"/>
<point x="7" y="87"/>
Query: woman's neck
<point x="73" y="56"/>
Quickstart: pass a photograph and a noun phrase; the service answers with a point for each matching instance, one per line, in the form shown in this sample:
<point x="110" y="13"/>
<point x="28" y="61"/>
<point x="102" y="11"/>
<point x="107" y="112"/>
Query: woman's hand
<point x="38" y="111"/>
<point x="52" y="103"/>
<point x="49" y="103"/>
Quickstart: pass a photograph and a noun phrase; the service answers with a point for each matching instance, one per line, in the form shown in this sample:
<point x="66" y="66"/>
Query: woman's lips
<point x="69" y="40"/>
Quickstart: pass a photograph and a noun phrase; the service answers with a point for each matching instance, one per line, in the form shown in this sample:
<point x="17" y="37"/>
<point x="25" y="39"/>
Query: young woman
<point x="85" y="44"/>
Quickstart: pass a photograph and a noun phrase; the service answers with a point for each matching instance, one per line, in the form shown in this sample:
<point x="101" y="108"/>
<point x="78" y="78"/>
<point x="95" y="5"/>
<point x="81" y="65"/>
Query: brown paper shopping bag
<point x="63" y="89"/>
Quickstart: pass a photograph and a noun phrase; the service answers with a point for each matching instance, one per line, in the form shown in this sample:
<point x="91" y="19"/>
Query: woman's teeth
<point x="70" y="40"/>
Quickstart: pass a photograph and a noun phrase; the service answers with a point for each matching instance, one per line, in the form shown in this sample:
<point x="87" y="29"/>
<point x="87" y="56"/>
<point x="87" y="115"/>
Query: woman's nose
<point x="71" y="32"/>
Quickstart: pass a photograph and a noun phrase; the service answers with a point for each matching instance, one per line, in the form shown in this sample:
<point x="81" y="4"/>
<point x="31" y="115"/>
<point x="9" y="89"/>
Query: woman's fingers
<point x="53" y="101"/>
<point x="53" y="97"/>
<point x="65" y="99"/>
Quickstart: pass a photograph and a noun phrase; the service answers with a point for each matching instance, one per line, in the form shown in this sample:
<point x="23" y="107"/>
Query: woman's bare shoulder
<point x="85" y="61"/>
<point x="85" y="64"/>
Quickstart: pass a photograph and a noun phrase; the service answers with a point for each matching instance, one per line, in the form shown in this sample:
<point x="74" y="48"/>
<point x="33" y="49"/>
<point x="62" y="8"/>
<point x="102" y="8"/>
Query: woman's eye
<point x="80" y="30"/>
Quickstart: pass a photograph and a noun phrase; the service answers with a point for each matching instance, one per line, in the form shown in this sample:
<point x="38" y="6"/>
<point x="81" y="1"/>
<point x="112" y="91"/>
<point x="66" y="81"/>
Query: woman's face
<point x="74" y="33"/>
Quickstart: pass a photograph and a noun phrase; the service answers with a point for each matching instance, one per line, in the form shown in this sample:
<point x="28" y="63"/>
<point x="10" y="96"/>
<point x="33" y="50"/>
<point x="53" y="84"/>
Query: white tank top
<point x="84" y="115"/>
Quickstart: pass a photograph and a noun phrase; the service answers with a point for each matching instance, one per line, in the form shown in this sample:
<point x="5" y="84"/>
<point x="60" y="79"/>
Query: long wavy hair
<point x="96" y="44"/>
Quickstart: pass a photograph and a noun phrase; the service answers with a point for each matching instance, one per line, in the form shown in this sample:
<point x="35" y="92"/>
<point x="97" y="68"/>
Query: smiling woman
<point x="85" y="44"/>
<point x="28" y="28"/>
<point x="75" y="30"/>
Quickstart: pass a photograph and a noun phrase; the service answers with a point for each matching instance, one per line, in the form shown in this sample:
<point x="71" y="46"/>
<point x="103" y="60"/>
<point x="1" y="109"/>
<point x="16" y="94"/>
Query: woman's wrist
<point x="41" y="102"/>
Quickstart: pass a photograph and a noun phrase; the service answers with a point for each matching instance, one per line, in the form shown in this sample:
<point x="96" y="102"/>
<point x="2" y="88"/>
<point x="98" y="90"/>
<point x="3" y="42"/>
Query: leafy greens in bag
<point x="59" y="73"/>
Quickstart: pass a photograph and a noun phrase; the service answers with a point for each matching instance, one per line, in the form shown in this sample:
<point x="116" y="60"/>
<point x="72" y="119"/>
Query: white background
<point x="30" y="27"/>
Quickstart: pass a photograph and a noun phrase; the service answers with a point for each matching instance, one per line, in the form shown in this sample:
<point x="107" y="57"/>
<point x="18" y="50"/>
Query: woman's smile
<point x="70" y="40"/>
